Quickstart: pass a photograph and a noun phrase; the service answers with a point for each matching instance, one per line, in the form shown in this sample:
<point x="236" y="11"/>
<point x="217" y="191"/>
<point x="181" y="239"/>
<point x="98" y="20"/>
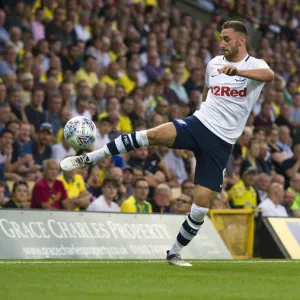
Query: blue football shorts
<point x="211" y="152"/>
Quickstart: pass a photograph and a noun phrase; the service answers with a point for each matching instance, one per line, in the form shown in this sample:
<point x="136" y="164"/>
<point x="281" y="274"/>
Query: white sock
<point x="189" y="228"/>
<point x="122" y="144"/>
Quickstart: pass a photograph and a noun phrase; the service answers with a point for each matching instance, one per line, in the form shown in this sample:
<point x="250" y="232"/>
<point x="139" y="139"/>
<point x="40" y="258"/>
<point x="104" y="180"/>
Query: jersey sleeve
<point x="259" y="64"/>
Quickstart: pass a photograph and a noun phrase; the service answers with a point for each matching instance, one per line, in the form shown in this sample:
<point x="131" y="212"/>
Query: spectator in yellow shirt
<point x="137" y="203"/>
<point x="112" y="76"/>
<point x="130" y="80"/>
<point x="242" y="194"/>
<point x="87" y="72"/>
<point x="76" y="190"/>
<point x="125" y="124"/>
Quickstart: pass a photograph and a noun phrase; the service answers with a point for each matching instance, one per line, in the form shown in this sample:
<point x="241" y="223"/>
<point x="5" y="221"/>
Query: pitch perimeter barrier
<point x="38" y="234"/>
<point x="279" y="238"/>
<point x="236" y="227"/>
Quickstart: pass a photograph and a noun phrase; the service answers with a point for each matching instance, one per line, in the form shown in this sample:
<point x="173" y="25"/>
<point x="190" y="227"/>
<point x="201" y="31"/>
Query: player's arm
<point x="261" y="74"/>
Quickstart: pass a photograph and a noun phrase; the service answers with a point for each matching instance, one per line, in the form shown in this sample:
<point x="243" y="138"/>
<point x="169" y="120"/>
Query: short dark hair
<point x="88" y="56"/>
<point x="138" y="180"/>
<point x="106" y="119"/>
<point x="111" y="180"/>
<point x="82" y="97"/>
<point x="6" y="130"/>
<point x="236" y="26"/>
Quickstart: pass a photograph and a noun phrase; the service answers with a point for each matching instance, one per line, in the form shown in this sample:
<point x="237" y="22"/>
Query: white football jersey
<point x="230" y="99"/>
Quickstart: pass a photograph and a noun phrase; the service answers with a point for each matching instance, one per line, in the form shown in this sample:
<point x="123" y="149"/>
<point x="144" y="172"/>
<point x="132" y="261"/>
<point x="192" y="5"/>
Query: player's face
<point x="230" y="43"/>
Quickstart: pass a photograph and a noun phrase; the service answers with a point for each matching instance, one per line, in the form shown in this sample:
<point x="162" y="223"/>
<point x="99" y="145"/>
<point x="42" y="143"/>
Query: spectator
<point x="5" y="114"/>
<point x="52" y="113"/>
<point x="77" y="193"/>
<point x="33" y="111"/>
<point x="22" y="160"/>
<point x="242" y="194"/>
<point x="81" y="31"/>
<point x="130" y="80"/>
<point x="112" y="76"/>
<point x="271" y="207"/>
<point x="41" y="149"/>
<point x="20" y="196"/>
<point x="105" y="201"/>
<point x="26" y="80"/>
<point x="252" y="158"/>
<point x="137" y="202"/>
<point x="295" y="110"/>
<point x="284" y="139"/>
<point x="264" y="118"/>
<point x="62" y="150"/>
<point x="291" y="166"/>
<point x="161" y="199"/>
<point x="262" y="186"/>
<point x="71" y="60"/>
<point x="104" y="129"/>
<point x="117" y="173"/>
<point x="3" y="200"/>
<point x="288" y="200"/>
<point x="125" y="124"/>
<point x="168" y="93"/>
<point x="128" y="179"/>
<point x="175" y="164"/>
<point x="6" y="149"/>
<point x="7" y="64"/>
<point x="13" y="99"/>
<point x="37" y="26"/>
<point x="181" y="205"/>
<point x="152" y="69"/>
<point x="87" y="72"/>
<point x="277" y="178"/>
<point x="188" y="187"/>
<point x="194" y="82"/>
<point x="178" y="88"/>
<point x="284" y="118"/>
<point x="295" y="187"/>
<point x="4" y="35"/>
<point x="81" y="107"/>
<point x="264" y="159"/>
<point x="48" y="192"/>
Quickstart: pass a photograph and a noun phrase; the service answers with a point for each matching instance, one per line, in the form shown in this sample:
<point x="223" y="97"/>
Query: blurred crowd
<point x="131" y="65"/>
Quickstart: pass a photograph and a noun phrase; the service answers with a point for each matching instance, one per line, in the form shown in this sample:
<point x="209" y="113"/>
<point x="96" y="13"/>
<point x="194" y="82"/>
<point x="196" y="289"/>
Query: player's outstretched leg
<point x="163" y="135"/>
<point x="190" y="227"/>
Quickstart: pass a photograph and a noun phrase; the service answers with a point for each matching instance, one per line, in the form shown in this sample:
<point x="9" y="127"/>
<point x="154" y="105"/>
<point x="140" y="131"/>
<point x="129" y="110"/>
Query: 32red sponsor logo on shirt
<point x="227" y="91"/>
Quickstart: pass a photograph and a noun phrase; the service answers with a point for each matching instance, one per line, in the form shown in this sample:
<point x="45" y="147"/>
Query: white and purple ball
<point x="80" y="132"/>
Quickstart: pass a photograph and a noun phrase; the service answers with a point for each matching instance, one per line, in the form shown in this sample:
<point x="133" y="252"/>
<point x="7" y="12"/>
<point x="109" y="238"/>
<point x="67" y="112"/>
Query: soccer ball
<point x="80" y="132"/>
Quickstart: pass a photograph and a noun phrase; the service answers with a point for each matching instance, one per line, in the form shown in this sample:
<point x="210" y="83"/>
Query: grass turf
<point x="145" y="280"/>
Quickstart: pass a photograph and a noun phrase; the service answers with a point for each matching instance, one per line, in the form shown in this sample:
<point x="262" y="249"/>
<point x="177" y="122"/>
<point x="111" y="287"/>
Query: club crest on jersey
<point x="227" y="91"/>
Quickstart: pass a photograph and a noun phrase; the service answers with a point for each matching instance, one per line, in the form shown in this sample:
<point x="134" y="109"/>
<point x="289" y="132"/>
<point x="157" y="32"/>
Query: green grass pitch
<point x="149" y="280"/>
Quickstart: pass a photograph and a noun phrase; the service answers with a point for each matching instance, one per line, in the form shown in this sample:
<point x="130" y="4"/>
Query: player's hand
<point x="229" y="70"/>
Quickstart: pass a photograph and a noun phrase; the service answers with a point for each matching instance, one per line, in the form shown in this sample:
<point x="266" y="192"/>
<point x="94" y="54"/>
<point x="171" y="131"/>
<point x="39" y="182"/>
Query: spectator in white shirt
<point x="62" y="150"/>
<point x="262" y="186"/>
<point x="105" y="202"/>
<point x="81" y="29"/>
<point x="271" y="207"/>
<point x="105" y="127"/>
<point x="81" y="107"/>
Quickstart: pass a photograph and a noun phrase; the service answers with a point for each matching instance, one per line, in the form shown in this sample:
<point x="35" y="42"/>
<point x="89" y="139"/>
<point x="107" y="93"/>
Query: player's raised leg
<point x="163" y="135"/>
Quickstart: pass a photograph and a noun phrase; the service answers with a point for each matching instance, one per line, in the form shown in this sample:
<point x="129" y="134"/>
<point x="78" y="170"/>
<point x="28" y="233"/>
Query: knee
<point x="153" y="136"/>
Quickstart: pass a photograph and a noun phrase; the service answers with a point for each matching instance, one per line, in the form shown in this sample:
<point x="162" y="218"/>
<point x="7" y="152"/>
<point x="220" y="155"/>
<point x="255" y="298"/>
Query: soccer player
<point x="233" y="81"/>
